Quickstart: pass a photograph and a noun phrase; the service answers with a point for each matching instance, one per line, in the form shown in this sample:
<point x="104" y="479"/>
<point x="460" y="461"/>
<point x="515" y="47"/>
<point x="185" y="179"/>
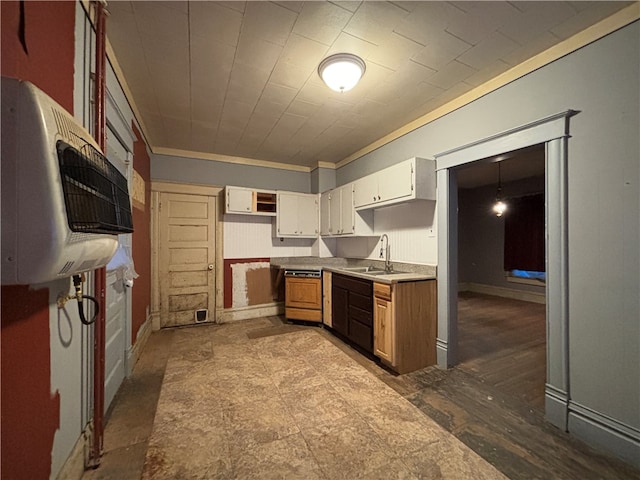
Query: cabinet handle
<point x="378" y="197"/>
<point x="374" y="198"/>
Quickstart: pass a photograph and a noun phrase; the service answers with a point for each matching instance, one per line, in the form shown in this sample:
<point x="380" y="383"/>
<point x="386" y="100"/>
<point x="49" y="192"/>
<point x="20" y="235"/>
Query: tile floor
<point x="262" y="399"/>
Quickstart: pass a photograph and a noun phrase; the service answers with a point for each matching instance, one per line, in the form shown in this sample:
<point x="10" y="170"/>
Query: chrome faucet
<point x="387" y="253"/>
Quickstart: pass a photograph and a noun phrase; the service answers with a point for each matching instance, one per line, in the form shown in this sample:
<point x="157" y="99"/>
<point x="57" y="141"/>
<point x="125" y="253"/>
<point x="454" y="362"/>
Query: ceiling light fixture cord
<point x="499" y="207"/>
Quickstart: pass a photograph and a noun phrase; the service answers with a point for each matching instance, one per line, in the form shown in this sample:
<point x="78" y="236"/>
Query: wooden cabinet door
<point x="303" y="292"/>
<point x="339" y="309"/>
<point x="383" y="330"/>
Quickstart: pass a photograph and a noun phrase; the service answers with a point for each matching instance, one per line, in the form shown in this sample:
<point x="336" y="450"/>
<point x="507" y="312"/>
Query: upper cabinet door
<point x="239" y="200"/>
<point x="366" y="190"/>
<point x="325" y="215"/>
<point x="347" y="211"/>
<point x="308" y="215"/>
<point x="287" y="218"/>
<point x="397" y="182"/>
<point x="297" y="215"/>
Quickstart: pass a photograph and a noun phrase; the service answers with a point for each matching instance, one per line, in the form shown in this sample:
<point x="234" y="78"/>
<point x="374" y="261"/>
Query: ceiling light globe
<point x="342" y="71"/>
<point x="499" y="208"/>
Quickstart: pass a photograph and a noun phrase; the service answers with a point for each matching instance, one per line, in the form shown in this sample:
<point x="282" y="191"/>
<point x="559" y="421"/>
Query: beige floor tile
<point x="346" y="449"/>
<point x="287" y="458"/>
<point x="316" y="406"/>
<point x="255" y="423"/>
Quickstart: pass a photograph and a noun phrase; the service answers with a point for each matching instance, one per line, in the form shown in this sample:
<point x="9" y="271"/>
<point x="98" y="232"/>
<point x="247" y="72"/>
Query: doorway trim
<point x="553" y="131"/>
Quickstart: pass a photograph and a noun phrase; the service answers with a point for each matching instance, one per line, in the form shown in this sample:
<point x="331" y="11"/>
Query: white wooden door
<point x="186" y="257"/>
<point x="117" y="296"/>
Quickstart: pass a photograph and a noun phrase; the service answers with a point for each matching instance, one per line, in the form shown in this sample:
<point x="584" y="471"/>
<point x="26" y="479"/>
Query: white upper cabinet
<point x="324" y="214"/>
<point x="342" y="219"/>
<point x="413" y="179"/>
<point x="249" y="201"/>
<point x="297" y="215"/>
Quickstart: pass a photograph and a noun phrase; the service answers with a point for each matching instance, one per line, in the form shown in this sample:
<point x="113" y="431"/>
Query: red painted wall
<point x="30" y="412"/>
<point x="141" y="295"/>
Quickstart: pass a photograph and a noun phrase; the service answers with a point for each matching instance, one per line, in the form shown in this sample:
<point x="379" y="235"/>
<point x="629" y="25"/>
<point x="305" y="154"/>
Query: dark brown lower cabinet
<point x="352" y="309"/>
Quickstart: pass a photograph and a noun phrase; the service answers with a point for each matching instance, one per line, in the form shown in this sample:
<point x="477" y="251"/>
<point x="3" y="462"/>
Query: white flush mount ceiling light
<point x="342" y="71"/>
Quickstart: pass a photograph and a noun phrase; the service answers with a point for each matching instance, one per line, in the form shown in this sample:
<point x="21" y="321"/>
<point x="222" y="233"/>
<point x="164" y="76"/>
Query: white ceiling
<point x="240" y="78"/>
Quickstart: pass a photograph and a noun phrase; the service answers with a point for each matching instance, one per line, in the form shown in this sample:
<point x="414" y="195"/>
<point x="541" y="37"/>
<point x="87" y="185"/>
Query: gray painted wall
<point x="208" y="172"/>
<point x="322" y="179"/>
<point x="481" y="234"/>
<point x="601" y="80"/>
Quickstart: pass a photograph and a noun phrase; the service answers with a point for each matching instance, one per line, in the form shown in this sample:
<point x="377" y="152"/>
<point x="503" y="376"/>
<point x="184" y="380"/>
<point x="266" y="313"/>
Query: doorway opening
<point x="501" y="310"/>
<point x="553" y="133"/>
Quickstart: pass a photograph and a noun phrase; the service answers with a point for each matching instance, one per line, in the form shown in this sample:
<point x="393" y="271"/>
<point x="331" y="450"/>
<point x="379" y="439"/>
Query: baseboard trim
<point x="441" y="353"/>
<point x="605" y="433"/>
<point x="556" y="406"/>
<point x="503" y="292"/>
<point x="244" y="313"/>
<point x="74" y="466"/>
<point x="133" y="355"/>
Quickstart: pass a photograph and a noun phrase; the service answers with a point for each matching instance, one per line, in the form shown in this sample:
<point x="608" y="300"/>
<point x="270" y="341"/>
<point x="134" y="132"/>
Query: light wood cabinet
<point x="413" y="179"/>
<point x="303" y="298"/>
<point x="383" y="323"/>
<point x="326" y="299"/>
<point x="297" y="215"/>
<point x="404" y="324"/>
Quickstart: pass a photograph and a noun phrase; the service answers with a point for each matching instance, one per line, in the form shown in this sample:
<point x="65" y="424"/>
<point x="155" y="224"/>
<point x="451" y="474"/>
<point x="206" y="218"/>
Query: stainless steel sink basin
<point x="371" y="271"/>
<point x="382" y="272"/>
<point x="367" y="270"/>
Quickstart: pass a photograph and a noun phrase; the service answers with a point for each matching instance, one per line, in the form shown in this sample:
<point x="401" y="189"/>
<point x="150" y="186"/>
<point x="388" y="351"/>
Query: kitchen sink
<point x="367" y="270"/>
<point x="382" y="272"/>
<point x="371" y="271"/>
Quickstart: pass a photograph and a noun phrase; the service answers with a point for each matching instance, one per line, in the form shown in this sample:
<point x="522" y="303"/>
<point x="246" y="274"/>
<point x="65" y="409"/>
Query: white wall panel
<point x="250" y="236"/>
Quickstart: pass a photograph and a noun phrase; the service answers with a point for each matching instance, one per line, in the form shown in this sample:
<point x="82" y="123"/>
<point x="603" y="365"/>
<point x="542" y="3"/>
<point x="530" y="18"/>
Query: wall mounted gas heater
<point x="63" y="202"/>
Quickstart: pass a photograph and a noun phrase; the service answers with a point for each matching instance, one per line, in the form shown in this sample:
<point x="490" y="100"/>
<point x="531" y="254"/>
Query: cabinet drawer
<point x="381" y="290"/>
<point x="362" y="302"/>
<point x="363" y="316"/>
<point x="303" y="314"/>
<point x="361" y="335"/>
<point x="353" y="284"/>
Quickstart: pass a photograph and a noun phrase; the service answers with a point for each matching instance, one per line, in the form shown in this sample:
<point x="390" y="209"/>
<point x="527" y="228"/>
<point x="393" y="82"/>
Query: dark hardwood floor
<point x="503" y="343"/>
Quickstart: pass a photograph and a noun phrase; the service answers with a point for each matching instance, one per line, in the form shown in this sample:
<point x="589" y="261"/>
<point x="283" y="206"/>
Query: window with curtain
<point x="524" y="234"/>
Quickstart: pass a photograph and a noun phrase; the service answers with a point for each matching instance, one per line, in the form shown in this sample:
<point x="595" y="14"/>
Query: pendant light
<point x="342" y="71"/>
<point x="499" y="207"/>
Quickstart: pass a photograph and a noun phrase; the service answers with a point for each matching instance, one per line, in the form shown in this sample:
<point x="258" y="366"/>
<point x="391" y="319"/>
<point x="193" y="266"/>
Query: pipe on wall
<point x="100" y="277"/>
